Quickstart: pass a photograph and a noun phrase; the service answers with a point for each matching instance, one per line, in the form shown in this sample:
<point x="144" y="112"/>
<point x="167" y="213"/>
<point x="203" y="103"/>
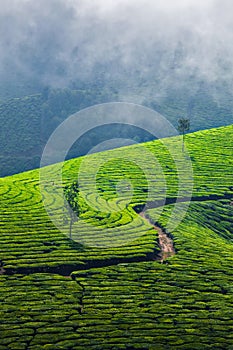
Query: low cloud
<point x="126" y="43"/>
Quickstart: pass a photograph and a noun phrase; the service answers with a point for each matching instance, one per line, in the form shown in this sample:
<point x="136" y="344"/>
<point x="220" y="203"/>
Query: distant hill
<point x="27" y="122"/>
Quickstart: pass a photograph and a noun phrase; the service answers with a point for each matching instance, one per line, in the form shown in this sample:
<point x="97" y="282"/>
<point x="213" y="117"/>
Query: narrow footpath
<point x="165" y="242"/>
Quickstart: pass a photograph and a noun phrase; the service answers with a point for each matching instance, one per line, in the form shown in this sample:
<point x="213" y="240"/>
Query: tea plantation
<point x="106" y="288"/>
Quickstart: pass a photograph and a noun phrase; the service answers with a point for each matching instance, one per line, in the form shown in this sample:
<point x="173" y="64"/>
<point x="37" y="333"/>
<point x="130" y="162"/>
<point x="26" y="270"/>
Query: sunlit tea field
<point x="104" y="284"/>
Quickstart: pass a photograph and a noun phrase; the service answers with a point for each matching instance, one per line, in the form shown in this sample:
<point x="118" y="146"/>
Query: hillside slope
<point x="124" y="299"/>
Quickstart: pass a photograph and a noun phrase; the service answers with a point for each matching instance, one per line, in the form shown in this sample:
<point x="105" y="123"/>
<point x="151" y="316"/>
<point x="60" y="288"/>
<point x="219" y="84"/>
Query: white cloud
<point x="57" y="38"/>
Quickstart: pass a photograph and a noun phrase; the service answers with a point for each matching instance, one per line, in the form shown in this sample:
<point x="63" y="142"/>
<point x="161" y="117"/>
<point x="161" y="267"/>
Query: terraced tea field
<point x="120" y="296"/>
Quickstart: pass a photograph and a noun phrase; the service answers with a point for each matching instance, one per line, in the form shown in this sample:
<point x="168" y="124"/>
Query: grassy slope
<point x="183" y="305"/>
<point x="40" y="244"/>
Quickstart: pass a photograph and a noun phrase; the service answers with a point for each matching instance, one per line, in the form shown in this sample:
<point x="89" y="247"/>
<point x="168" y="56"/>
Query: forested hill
<point x="27" y="122"/>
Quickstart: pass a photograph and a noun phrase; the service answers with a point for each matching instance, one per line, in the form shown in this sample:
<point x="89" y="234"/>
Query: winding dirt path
<point x="165" y="242"/>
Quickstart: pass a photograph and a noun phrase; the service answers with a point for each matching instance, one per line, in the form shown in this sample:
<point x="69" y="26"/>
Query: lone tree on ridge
<point x="183" y="127"/>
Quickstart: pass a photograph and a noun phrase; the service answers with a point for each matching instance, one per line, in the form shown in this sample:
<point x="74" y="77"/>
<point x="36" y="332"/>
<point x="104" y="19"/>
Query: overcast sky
<point x="56" y="41"/>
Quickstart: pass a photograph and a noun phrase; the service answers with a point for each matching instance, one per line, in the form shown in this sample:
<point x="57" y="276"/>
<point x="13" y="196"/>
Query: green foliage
<point x="120" y="298"/>
<point x="71" y="195"/>
<point x="29" y="240"/>
<point x="36" y="310"/>
<point x="72" y="204"/>
<point x="183" y="125"/>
